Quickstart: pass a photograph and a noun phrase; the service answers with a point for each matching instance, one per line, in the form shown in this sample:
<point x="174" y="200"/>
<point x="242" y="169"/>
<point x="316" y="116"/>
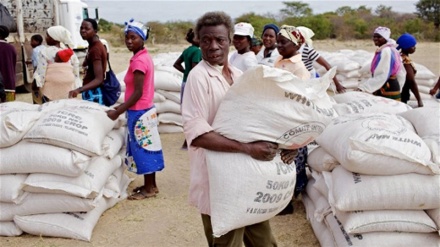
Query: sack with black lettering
<point x="247" y="189"/>
<point x="377" y="144"/>
<point x="269" y="104"/>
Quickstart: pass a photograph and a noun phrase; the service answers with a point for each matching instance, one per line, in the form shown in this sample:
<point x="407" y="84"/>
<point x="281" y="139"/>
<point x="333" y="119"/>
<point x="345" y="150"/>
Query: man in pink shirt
<point x="206" y="86"/>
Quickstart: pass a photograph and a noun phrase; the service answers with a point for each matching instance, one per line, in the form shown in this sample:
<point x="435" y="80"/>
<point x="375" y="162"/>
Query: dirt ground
<point x="168" y="220"/>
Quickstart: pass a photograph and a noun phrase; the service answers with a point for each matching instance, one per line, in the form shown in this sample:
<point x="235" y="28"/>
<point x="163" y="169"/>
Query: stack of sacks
<point x="167" y="87"/>
<point x="375" y="178"/>
<point x="61" y="168"/>
<point x="290" y="112"/>
<point x="425" y="80"/>
<point x="353" y="67"/>
<point x="349" y="66"/>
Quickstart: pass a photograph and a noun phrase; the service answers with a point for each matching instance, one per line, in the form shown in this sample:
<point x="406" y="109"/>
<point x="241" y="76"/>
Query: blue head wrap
<point x="406" y="41"/>
<point x="138" y="28"/>
<point x="271" y="26"/>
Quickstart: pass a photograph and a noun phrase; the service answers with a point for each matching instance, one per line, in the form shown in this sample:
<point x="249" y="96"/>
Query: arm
<point x="260" y="150"/>
<point x="196" y="114"/>
<point x="178" y="64"/>
<point x="99" y="78"/>
<point x="380" y="75"/>
<point x="326" y="65"/>
<point x="410" y="78"/>
<point x="138" y="89"/>
<point x="435" y="88"/>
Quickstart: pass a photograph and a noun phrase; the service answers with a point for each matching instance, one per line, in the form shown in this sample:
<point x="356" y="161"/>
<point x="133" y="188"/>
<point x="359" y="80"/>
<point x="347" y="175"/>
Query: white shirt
<point x="243" y="61"/>
<point x="270" y="60"/>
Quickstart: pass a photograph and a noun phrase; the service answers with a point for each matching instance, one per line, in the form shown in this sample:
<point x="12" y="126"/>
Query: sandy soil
<point x="168" y="220"/>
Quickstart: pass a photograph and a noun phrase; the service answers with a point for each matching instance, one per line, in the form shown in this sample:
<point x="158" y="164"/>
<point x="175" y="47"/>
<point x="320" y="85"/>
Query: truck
<point x="35" y="17"/>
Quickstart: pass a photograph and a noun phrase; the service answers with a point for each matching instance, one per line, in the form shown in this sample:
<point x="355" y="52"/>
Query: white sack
<point x="319" y="160"/>
<point x="167" y="106"/>
<point x="170" y="118"/>
<point x="173" y="96"/>
<point x="66" y="225"/>
<point x="244" y="188"/>
<point x="27" y="157"/>
<point x="11" y="188"/>
<point x="158" y="97"/>
<point x="81" y="128"/>
<point x="386" y="221"/>
<point x="113" y="142"/>
<point x="435" y="216"/>
<point x="319" y="228"/>
<point x="167" y="81"/>
<point x="169" y="128"/>
<point x="388" y="239"/>
<point x="352" y="191"/>
<point x="377" y="144"/>
<point x="14" y="125"/>
<point x="40" y="203"/>
<point x="426" y="121"/>
<point x="275" y="106"/>
<point x="360" y="102"/>
<point x="88" y="185"/>
<point x="9" y="229"/>
<point x="117" y="181"/>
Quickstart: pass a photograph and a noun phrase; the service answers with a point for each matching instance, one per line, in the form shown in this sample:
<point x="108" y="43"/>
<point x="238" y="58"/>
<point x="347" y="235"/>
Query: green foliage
<point x="429" y="10"/>
<point x="257" y="21"/>
<point x="296" y="9"/>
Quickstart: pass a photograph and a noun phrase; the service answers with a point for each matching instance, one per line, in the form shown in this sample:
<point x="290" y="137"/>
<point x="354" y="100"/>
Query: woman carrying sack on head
<point x="55" y="80"/>
<point x="95" y="64"/>
<point x="144" y="150"/>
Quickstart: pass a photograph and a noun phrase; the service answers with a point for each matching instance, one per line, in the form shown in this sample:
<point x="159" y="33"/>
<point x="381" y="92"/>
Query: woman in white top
<point x="269" y="53"/>
<point x="243" y="58"/>
<point x="49" y="73"/>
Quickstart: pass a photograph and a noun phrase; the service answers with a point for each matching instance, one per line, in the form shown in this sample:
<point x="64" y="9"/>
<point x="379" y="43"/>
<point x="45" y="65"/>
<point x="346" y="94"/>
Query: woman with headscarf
<point x="269" y="52"/>
<point x="144" y="150"/>
<point x="310" y="55"/>
<point x="243" y="58"/>
<point x="386" y="67"/>
<point x="56" y="79"/>
<point x="407" y="44"/>
<point x="94" y="64"/>
<point x="289" y="41"/>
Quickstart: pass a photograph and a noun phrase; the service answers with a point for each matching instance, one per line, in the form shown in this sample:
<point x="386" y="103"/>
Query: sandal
<point x="137" y="189"/>
<point x="140" y="195"/>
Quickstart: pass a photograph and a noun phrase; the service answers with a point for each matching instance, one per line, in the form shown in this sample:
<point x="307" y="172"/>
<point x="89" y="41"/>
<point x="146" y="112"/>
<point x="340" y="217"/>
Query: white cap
<point x="244" y="29"/>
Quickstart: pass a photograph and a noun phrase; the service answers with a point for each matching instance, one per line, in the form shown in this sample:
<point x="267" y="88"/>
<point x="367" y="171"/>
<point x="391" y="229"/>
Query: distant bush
<point x="345" y="23"/>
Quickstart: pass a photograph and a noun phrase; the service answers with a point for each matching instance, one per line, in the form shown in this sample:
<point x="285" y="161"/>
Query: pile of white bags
<point x="60" y="168"/>
<point x="375" y="176"/>
<point x="353" y="67"/>
<point x="167" y="87"/>
<point x="275" y="106"/>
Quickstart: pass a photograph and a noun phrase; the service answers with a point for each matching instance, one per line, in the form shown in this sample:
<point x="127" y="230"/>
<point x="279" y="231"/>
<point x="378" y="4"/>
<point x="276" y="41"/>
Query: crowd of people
<point x="208" y="73"/>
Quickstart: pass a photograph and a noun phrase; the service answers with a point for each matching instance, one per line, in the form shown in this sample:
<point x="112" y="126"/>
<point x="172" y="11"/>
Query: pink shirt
<point x="204" y="90"/>
<point x="294" y="65"/>
<point x="142" y="62"/>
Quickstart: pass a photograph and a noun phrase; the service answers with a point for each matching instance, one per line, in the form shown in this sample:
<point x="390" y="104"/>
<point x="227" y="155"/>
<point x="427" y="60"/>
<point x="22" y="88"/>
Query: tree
<point x="296" y="9"/>
<point x="429" y="10"/>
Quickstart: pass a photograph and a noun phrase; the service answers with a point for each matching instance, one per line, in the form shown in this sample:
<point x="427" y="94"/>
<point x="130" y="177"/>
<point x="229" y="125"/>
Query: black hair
<point x="93" y="22"/>
<point x="38" y="38"/>
<point x="190" y="35"/>
<point x="215" y="18"/>
<point x="4" y="32"/>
